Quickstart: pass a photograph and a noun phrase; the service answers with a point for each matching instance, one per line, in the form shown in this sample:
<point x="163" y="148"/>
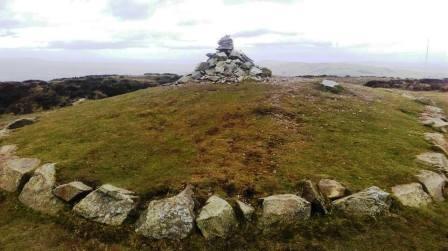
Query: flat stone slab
<point x="171" y="218"/>
<point x="437" y="160"/>
<point x="283" y="210"/>
<point x="37" y="192"/>
<point x="71" y="191"/>
<point x="433" y="182"/>
<point x="18" y="123"/>
<point x="411" y="195"/>
<point x="439" y="141"/>
<point x="8" y="150"/>
<point x="217" y="219"/>
<point x="15" y="171"/>
<point x="108" y="204"/>
<point x="369" y="202"/>
<point x="434" y="117"/>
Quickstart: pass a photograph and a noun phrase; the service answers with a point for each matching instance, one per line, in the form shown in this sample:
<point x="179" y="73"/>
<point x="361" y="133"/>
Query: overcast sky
<point x="181" y="31"/>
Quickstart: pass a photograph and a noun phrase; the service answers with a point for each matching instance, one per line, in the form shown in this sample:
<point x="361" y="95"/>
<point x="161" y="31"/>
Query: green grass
<point x="242" y="140"/>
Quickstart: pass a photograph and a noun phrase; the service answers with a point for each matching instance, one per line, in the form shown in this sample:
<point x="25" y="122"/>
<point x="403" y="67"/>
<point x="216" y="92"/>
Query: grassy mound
<point x="250" y="140"/>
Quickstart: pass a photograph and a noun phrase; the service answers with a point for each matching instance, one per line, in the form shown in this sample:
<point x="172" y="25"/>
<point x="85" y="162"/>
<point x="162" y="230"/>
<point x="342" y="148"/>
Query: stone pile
<point x="227" y="65"/>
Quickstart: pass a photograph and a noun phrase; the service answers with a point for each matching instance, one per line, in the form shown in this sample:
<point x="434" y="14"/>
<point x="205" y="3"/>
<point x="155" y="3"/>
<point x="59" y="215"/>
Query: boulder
<point x="8" y="150"/>
<point x="196" y="75"/>
<point x="14" y="172"/>
<point x="309" y="192"/>
<point x="331" y="189"/>
<point x="370" y="202"/>
<point x="72" y="191"/>
<point x="202" y="66"/>
<point x="437" y="160"/>
<point x="439" y="141"/>
<point x="246" y="210"/>
<point x="216" y="219"/>
<point x="18" y="123"/>
<point x="37" y="192"/>
<point x="330" y="85"/>
<point x="255" y="71"/>
<point x="221" y="56"/>
<point x="171" y="218"/>
<point x="434" y="117"/>
<point x="411" y="195"/>
<point x="284" y="210"/>
<point x="185" y="79"/>
<point x="108" y="204"/>
<point x="433" y="182"/>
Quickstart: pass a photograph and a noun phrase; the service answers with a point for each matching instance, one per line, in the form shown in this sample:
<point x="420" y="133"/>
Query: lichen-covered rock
<point x="18" y="123"/>
<point x="411" y="195"/>
<point x="8" y="150"/>
<point x="37" y="192"/>
<point x="438" y="141"/>
<point x="437" y="160"/>
<point x="217" y="219"/>
<point x="171" y="218"/>
<point x="246" y="210"/>
<point x="309" y="192"/>
<point x="71" y="191"/>
<point x="433" y="182"/>
<point x="283" y="210"/>
<point x="372" y="202"/>
<point x="108" y="204"/>
<point x="331" y="189"/>
<point x="15" y="171"/>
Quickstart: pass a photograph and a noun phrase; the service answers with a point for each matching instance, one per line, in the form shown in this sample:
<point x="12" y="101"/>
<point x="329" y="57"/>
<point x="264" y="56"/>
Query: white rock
<point x="437" y="160"/>
<point x="15" y="171"/>
<point x="372" y="202"/>
<point x="246" y="209"/>
<point x="411" y="195"/>
<point x="438" y="140"/>
<point x="433" y="182"/>
<point x="331" y="189"/>
<point x="217" y="219"/>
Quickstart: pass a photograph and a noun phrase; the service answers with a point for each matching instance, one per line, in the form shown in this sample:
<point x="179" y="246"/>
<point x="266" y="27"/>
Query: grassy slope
<point x="244" y="139"/>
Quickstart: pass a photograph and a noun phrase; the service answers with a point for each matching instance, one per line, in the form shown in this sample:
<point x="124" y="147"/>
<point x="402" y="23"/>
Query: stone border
<point x="174" y="217"/>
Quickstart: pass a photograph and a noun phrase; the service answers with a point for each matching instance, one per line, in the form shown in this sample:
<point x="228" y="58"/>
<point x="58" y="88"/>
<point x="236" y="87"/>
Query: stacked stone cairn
<point x="227" y="65"/>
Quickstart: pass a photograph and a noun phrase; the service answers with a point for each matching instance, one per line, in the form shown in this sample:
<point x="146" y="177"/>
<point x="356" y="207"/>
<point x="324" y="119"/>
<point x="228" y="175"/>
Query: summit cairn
<point x="227" y="65"/>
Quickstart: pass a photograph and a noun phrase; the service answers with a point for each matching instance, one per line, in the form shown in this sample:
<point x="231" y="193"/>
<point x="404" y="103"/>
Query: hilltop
<point x="247" y="141"/>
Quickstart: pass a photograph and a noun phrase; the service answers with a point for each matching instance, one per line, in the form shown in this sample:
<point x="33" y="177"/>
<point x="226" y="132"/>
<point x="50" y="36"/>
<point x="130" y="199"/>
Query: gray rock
<point x="246" y="209"/>
<point x="212" y="62"/>
<point x="411" y="195"/>
<point x="255" y="71"/>
<point x="72" y="191"/>
<point x="437" y="160"/>
<point x="433" y="182"/>
<point x="331" y="189"/>
<point x="331" y="85"/>
<point x="8" y="150"/>
<point x="15" y="171"/>
<point x="225" y="44"/>
<point x="108" y="204"/>
<point x="309" y="192"/>
<point x="185" y="79"/>
<point x="202" y="66"/>
<point x="217" y="219"/>
<point x="372" y="202"/>
<point x="171" y="218"/>
<point x="439" y="141"/>
<point x="220" y="67"/>
<point x="435" y="118"/>
<point x="247" y="66"/>
<point x="221" y="56"/>
<point x="37" y="193"/>
<point x="196" y="75"/>
<point x="20" y="123"/>
<point x="280" y="211"/>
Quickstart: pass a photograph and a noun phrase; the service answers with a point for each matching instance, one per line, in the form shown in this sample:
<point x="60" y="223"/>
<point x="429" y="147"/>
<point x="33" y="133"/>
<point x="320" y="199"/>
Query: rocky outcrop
<point x="71" y="191"/>
<point x="438" y="141"/>
<point x="246" y="210"/>
<point x="108" y="204"/>
<point x="433" y="182"/>
<point x="37" y="193"/>
<point x="284" y="210"/>
<point x="171" y="218"/>
<point x="411" y="84"/>
<point x="216" y="219"/>
<point x="372" y="202"/>
<point x="434" y="117"/>
<point x="331" y="189"/>
<point x="227" y="65"/>
<point x="18" y="123"/>
<point x="436" y="160"/>
<point x="309" y="192"/>
<point x="14" y="172"/>
<point x="411" y="195"/>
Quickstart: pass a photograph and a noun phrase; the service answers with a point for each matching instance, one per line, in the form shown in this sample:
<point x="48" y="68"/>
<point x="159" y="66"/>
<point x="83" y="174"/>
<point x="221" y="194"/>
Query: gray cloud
<point x="260" y="32"/>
